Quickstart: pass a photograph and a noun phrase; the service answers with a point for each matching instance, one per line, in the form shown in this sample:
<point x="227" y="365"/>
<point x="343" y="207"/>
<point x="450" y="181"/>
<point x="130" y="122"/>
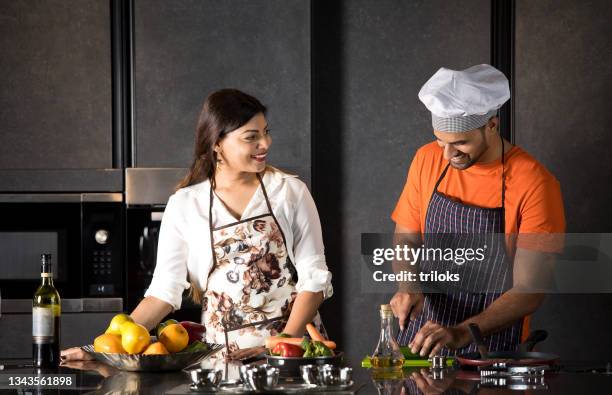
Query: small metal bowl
<point x="263" y="377"/>
<point x="309" y="374"/>
<point x="205" y="378"/>
<point x="243" y="373"/>
<point x="330" y="375"/>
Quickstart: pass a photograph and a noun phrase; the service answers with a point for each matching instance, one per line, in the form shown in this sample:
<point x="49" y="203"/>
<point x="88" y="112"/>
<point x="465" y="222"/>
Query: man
<point x="470" y="181"/>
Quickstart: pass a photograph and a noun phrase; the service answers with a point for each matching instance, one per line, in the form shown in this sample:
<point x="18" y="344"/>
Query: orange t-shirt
<point x="533" y="202"/>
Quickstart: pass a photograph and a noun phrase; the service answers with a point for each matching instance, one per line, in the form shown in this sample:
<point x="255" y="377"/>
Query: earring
<point x="218" y="161"/>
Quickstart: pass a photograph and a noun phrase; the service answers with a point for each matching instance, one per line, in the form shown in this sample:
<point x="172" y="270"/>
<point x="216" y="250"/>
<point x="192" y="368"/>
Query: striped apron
<point x="451" y="224"/>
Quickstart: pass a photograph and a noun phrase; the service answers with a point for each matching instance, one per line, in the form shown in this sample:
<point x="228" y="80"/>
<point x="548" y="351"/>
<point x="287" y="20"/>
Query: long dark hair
<point x="223" y="111"/>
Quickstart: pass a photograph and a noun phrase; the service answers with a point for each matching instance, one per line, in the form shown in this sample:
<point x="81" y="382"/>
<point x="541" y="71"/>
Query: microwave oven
<point x="83" y="232"/>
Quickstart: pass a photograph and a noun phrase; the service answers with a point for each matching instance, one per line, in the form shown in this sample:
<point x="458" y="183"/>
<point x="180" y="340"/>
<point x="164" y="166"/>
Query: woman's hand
<point x="246" y="353"/>
<point x="75" y="354"/>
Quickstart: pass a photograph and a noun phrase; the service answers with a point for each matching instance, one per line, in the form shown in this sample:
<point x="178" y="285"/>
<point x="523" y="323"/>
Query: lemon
<point x="134" y="337"/>
<point x="115" y="324"/>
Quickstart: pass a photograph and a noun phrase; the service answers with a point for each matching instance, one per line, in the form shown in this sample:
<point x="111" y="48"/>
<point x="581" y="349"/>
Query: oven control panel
<point x="103" y="250"/>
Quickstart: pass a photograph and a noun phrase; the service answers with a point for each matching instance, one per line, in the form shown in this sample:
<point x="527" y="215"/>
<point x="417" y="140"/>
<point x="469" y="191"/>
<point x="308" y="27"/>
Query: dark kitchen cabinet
<point x="55" y="96"/>
<point x="186" y="49"/>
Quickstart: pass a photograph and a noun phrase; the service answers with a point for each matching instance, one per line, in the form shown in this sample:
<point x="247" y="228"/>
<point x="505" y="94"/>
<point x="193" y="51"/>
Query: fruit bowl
<point x="152" y="363"/>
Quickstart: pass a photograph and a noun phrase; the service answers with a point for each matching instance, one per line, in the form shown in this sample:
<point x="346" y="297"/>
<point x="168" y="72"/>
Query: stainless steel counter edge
<point x="153" y="186"/>
<point x="60" y="197"/>
<point x="84" y="305"/>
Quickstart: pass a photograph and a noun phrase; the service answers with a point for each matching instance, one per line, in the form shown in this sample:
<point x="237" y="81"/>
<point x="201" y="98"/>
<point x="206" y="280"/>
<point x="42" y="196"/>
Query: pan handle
<point x="534" y="338"/>
<point x="477" y="337"/>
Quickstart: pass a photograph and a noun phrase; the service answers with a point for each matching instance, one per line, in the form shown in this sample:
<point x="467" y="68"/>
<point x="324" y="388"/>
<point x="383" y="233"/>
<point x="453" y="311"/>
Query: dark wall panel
<point x="387" y="50"/>
<point x="186" y="49"/>
<point x="563" y="96"/>
<point x="55" y="90"/>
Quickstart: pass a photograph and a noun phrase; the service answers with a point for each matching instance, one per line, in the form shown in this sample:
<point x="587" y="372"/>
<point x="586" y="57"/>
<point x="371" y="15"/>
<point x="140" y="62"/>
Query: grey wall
<point x="563" y="95"/>
<point x="368" y="125"/>
<point x="186" y="49"/>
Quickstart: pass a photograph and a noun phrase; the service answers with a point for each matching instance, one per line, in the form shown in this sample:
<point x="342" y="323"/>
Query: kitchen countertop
<point x="96" y="378"/>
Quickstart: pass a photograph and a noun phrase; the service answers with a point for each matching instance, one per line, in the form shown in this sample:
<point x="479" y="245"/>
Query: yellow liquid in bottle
<point x="387" y="368"/>
<point x="387" y="363"/>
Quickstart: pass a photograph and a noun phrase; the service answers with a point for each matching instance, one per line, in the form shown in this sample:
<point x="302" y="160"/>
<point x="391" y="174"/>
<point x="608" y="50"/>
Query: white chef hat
<point x="466" y="99"/>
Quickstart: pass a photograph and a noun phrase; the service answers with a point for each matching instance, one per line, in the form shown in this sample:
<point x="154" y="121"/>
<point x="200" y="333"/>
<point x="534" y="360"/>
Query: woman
<point x="246" y="235"/>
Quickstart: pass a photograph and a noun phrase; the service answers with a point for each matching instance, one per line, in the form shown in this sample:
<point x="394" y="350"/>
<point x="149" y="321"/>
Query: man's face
<point x="463" y="149"/>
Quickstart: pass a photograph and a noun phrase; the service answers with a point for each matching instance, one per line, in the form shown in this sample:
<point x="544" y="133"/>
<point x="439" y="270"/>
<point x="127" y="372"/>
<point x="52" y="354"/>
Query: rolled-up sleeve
<point x="308" y="249"/>
<point x="170" y="276"/>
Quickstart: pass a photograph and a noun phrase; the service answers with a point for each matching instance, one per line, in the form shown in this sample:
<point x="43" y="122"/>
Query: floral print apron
<point x="251" y="285"/>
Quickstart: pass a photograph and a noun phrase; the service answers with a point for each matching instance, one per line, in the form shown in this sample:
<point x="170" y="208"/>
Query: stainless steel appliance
<point x="146" y="194"/>
<point x="83" y="232"/>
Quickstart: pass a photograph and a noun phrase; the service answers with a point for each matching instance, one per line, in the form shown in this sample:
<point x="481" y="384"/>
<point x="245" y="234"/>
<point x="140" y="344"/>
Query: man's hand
<point x="404" y="303"/>
<point x="432" y="336"/>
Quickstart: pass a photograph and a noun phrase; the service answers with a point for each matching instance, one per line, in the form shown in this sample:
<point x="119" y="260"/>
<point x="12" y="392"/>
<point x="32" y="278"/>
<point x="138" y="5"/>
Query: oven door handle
<point x="144" y="238"/>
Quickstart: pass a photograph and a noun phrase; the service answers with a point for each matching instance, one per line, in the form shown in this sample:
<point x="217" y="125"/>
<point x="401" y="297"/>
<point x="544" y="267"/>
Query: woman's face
<point x="245" y="149"/>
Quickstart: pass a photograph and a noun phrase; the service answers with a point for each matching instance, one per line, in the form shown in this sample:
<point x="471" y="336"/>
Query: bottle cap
<point x="45" y="263"/>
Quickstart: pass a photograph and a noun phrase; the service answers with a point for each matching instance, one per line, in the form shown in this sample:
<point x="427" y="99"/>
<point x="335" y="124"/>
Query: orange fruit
<point x="156" y="348"/>
<point x="134" y="337"/>
<point x="108" y="343"/>
<point x="174" y="337"/>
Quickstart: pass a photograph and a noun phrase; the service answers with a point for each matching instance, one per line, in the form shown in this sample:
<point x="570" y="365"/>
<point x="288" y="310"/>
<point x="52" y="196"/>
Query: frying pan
<point x="524" y="356"/>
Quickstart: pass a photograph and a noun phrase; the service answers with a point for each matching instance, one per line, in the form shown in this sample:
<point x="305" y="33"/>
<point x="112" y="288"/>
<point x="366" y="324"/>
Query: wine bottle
<point x="46" y="312"/>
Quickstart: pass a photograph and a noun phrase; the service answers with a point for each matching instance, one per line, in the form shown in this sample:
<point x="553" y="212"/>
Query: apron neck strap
<point x="211" y="201"/>
<point x="503" y="175"/>
<point x="263" y="189"/>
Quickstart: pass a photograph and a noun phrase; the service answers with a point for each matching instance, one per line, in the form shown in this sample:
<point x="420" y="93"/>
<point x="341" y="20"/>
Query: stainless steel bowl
<point x="150" y="363"/>
<point x="262" y="377"/>
<point x="309" y="374"/>
<point x="346" y="375"/>
<point x="243" y="372"/>
<point x="330" y="375"/>
<point x="205" y="378"/>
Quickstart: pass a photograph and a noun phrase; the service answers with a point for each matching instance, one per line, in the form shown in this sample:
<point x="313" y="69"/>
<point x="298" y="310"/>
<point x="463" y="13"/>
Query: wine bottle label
<point x="42" y="323"/>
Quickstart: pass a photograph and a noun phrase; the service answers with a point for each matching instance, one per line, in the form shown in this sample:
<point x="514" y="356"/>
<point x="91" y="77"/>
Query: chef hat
<point x="464" y="100"/>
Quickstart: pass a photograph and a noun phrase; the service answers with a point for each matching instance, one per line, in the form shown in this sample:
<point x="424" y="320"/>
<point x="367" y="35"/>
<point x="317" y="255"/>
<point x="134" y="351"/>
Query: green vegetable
<point x="284" y="335"/>
<point x="321" y="350"/>
<point x="315" y="349"/>
<point x="196" y="346"/>
<point x="309" y="350"/>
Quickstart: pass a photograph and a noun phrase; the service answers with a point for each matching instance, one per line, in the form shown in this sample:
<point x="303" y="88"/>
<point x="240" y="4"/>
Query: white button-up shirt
<point x="184" y="248"/>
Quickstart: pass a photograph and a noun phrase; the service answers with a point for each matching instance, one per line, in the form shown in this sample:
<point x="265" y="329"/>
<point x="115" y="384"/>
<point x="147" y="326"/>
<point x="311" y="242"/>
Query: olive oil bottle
<point x="46" y="312"/>
<point x="387" y="360"/>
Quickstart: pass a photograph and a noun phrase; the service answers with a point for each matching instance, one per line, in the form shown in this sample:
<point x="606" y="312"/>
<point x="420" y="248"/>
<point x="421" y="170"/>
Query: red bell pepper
<point x="288" y="350"/>
<point x="196" y="331"/>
